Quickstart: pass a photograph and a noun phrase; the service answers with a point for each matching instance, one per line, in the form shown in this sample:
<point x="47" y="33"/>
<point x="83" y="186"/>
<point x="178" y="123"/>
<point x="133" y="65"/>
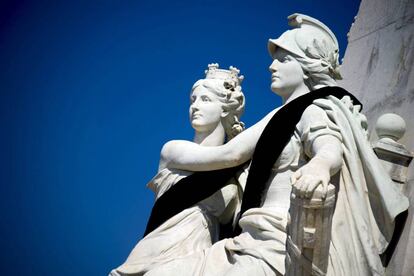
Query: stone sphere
<point x="390" y="125"/>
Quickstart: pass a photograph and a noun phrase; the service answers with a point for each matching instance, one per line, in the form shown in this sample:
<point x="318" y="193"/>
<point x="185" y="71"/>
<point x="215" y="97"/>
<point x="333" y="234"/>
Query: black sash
<point x="273" y="140"/>
<point x="200" y="185"/>
<point x="186" y="193"/>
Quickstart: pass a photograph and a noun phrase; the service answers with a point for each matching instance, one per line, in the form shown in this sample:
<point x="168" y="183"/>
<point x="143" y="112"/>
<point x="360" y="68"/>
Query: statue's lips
<point x="196" y="115"/>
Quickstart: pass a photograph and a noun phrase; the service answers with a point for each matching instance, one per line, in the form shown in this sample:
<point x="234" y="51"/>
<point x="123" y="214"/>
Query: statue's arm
<point x="326" y="161"/>
<point x="185" y="155"/>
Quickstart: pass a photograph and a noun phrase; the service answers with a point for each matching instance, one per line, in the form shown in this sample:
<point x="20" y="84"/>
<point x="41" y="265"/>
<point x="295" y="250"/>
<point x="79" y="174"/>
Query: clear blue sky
<point x="91" y="90"/>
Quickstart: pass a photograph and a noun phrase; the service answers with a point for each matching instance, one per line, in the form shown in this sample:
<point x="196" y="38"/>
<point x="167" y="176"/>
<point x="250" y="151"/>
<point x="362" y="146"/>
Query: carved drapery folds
<point x="310" y="223"/>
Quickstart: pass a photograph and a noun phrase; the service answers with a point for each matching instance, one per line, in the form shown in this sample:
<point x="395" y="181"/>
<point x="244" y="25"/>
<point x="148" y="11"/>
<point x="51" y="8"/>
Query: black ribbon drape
<point x="277" y="133"/>
<point x="200" y="185"/>
<point x="188" y="192"/>
<point x="273" y="140"/>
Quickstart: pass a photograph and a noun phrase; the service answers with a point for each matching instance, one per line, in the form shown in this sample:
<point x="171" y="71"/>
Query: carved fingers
<point x="308" y="178"/>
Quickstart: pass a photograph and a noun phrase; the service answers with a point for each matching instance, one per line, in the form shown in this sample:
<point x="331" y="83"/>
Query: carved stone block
<point x="309" y="232"/>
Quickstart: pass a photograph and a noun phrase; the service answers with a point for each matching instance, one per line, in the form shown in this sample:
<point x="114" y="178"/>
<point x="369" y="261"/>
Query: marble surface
<point x="378" y="69"/>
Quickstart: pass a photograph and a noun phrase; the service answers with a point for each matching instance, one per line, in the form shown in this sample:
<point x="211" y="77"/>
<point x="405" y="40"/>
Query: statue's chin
<point x="199" y="127"/>
<point x="276" y="89"/>
<point x="203" y="127"/>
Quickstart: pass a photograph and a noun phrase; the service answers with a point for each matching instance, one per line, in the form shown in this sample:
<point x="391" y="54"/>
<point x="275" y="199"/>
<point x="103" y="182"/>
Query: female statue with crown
<point x="318" y="136"/>
<point x="217" y="103"/>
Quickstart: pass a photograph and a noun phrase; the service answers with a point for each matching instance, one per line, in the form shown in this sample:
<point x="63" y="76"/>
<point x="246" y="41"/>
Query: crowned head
<point x="225" y="87"/>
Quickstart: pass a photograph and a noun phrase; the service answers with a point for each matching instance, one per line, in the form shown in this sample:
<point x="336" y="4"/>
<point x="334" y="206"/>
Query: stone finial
<point x="391" y="126"/>
<point x="393" y="155"/>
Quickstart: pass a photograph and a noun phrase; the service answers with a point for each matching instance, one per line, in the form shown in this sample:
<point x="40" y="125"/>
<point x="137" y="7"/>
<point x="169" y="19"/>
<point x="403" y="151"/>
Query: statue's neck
<point x="210" y="138"/>
<point x="299" y="91"/>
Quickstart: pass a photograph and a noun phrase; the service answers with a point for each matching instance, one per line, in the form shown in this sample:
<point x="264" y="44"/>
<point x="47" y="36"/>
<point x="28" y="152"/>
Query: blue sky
<point x="91" y="90"/>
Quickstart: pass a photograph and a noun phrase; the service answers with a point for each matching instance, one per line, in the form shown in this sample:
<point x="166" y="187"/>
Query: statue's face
<point x="287" y="74"/>
<point x="205" y="109"/>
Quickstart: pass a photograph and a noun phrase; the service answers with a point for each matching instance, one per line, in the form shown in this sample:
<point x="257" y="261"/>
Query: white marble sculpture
<point x="328" y="144"/>
<point x="217" y="103"/>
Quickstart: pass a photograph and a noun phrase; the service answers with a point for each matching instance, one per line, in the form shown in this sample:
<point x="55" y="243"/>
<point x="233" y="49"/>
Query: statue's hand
<point x="309" y="177"/>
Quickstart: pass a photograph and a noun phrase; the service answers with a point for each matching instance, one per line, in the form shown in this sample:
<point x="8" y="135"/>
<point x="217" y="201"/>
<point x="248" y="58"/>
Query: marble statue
<point x="317" y="137"/>
<point x="217" y="102"/>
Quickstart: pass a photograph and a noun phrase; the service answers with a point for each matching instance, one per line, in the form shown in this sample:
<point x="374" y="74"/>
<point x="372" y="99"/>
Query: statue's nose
<point x="272" y="67"/>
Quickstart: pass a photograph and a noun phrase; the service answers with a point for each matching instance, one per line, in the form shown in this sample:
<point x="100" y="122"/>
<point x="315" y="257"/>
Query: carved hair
<point x="314" y="46"/>
<point x="320" y="65"/>
<point x="230" y="94"/>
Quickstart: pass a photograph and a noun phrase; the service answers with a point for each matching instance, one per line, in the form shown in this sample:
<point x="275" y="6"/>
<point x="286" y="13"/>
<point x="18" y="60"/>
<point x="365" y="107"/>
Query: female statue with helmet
<point x="318" y="136"/>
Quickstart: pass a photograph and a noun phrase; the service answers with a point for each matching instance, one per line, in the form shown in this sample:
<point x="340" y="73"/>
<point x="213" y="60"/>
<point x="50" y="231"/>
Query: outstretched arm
<point x="185" y="155"/>
<point x="327" y="161"/>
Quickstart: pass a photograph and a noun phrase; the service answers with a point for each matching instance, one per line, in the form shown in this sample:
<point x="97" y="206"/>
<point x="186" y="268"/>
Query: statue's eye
<point x="205" y="99"/>
<point x="192" y="99"/>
